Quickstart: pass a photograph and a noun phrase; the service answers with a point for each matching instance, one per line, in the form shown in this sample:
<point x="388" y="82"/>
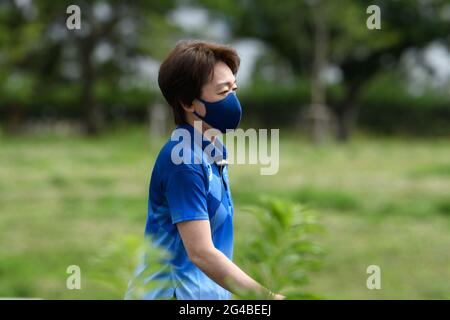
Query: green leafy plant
<point x="279" y="254"/>
<point x="115" y="268"/>
<point x="281" y="251"/>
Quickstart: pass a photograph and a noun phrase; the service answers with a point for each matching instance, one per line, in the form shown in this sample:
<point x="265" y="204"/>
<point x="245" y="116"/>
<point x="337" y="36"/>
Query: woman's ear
<point x="199" y="107"/>
<point x="187" y="108"/>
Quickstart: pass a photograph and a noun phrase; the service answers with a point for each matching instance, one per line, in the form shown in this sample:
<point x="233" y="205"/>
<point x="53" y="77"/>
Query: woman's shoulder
<point x="179" y="156"/>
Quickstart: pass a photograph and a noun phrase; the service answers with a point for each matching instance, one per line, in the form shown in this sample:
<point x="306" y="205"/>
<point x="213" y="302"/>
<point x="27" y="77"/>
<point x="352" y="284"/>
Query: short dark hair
<point x="188" y="67"/>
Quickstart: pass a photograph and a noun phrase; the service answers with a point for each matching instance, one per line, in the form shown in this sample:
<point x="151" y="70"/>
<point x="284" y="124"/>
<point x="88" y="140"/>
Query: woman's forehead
<point x="222" y="74"/>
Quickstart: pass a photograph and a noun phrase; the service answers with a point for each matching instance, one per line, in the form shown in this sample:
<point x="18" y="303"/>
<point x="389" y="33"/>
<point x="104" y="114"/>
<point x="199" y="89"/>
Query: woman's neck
<point x="208" y="134"/>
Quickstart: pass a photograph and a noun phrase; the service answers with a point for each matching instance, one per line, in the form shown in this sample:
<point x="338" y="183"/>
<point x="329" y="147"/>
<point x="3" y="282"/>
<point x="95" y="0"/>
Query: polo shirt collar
<point x="219" y="151"/>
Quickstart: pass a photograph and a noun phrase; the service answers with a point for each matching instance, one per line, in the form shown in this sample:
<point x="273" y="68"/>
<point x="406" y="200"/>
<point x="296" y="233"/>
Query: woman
<point x="190" y="209"/>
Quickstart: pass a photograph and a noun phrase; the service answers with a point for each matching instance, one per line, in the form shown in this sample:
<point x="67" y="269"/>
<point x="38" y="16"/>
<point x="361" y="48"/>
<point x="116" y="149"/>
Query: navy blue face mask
<point x="224" y="114"/>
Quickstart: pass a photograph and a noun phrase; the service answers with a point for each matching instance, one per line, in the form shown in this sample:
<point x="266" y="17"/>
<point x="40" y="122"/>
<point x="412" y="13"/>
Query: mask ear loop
<point x="196" y="113"/>
<point x="198" y="116"/>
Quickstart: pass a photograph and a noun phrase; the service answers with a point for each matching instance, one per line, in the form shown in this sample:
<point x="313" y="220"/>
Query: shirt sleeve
<point x="186" y="196"/>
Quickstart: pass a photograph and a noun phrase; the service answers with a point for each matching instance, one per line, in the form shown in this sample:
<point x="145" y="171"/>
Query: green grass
<point x="381" y="201"/>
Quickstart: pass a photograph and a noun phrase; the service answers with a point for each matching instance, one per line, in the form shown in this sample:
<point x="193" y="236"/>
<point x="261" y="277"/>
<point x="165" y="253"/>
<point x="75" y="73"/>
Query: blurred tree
<point x="94" y="59"/>
<point x="360" y="53"/>
<point x="17" y="39"/>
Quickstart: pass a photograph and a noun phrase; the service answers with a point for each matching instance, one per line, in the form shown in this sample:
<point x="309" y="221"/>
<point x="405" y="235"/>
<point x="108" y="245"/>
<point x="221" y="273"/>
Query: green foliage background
<point x="380" y="201"/>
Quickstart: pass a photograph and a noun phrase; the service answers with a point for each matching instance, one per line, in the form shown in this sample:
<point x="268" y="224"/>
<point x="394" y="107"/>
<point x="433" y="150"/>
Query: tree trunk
<point x="346" y="114"/>
<point x="319" y="114"/>
<point x="14" y="117"/>
<point x="93" y="117"/>
<point x="158" y="114"/>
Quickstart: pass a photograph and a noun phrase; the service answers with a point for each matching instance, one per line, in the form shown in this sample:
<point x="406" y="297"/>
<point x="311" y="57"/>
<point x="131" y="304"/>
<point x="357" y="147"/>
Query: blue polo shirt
<point x="189" y="182"/>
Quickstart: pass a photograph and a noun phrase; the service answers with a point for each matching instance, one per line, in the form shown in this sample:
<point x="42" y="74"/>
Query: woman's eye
<point x="226" y="91"/>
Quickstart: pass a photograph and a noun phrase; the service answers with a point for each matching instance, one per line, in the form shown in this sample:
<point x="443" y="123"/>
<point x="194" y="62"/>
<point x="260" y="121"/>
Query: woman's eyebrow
<point x="222" y="84"/>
